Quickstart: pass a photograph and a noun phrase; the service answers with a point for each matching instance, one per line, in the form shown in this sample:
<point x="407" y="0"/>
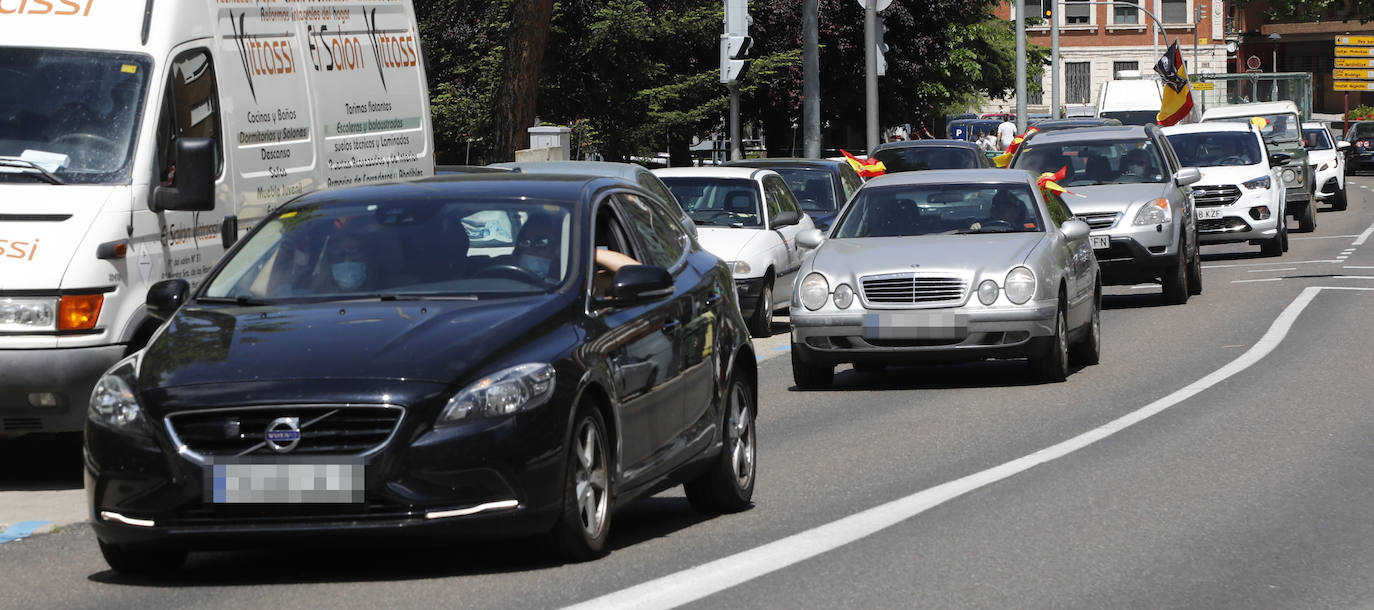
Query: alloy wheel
<point x="591" y="479"/>
<point x="740" y="436"/>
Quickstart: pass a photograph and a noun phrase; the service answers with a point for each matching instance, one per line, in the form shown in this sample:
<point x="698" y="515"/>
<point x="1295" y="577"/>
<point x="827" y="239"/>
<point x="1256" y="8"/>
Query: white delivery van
<point x="1131" y="100"/>
<point x="137" y="138"/>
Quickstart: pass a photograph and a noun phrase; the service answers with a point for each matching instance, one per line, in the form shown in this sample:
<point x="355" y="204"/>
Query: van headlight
<point x="507" y="391"/>
<point x="113" y="403"/>
<point x="1261" y="183"/>
<point x="1154" y="213"/>
<point x="1020" y="285"/>
<point x="814" y="290"/>
<point x="20" y="314"/>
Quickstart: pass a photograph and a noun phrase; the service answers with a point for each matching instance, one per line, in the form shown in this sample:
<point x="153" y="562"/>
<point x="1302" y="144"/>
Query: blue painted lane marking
<point x="21" y="530"/>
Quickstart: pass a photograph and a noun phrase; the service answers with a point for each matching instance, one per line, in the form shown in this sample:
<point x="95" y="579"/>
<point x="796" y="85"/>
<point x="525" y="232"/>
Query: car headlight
<point x="987" y="292"/>
<point x="814" y="289"/>
<point x="844" y="296"/>
<point x="1020" y="285"/>
<point x="1291" y="176"/>
<point x="740" y="267"/>
<point x="1324" y="167"/>
<point x="1154" y="213"/>
<point x="28" y="314"/>
<point x="113" y="403"/>
<point x="1261" y="183"/>
<point x="501" y="393"/>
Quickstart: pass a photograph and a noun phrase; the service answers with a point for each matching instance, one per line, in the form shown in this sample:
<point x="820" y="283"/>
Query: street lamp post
<point x="1274" y="62"/>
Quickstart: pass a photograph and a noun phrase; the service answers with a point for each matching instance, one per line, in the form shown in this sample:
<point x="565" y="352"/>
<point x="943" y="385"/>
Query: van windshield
<point x="71" y="113"/>
<point x="1132" y="117"/>
<point x="1274" y="127"/>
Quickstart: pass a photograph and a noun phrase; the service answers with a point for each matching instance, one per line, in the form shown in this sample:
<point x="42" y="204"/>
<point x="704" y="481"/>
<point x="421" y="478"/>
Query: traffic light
<point x="734" y="50"/>
<point x="882" y="47"/>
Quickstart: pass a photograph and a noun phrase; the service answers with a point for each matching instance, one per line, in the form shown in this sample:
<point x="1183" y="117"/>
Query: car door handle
<point x="670" y="326"/>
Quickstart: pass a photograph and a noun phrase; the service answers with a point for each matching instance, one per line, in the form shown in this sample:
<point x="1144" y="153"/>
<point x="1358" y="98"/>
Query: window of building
<point x="1119" y="66"/>
<point x="1174" y="11"/>
<point x="1035" y="97"/>
<point x="1126" y="15"/>
<point x="1037" y="8"/>
<point x="1078" y="82"/>
<point x="1077" y="12"/>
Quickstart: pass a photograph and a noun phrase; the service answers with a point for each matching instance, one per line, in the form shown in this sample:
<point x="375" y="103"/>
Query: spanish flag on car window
<point x="1178" y="94"/>
<point x="866" y="168"/>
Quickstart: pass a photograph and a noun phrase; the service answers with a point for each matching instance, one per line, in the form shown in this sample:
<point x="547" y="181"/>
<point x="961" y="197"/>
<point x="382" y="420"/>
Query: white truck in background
<point x="1130" y="99"/>
<point x="138" y="138"/>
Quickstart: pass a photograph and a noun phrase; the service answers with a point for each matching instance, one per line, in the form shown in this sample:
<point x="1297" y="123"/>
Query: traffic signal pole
<point x="1020" y="66"/>
<point x="811" y="79"/>
<point x="1054" y="58"/>
<point x="871" y="72"/>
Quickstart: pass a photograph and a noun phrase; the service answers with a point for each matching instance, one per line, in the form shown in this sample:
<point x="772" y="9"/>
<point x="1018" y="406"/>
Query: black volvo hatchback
<point x="480" y="355"/>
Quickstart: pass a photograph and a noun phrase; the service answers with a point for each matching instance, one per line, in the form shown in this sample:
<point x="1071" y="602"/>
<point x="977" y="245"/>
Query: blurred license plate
<point x="284" y="483"/>
<point x="1208" y="213"/>
<point x="1100" y="242"/>
<point x="916" y="325"/>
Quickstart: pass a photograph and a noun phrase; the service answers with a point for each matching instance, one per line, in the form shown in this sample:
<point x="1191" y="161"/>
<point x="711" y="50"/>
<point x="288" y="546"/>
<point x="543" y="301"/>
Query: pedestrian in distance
<point x="1006" y="132"/>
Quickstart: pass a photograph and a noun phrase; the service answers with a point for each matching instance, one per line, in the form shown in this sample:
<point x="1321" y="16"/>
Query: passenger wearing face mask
<point x="347" y="267"/>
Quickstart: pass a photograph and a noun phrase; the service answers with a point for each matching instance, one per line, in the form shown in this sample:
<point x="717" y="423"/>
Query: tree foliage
<point x="1319" y="10"/>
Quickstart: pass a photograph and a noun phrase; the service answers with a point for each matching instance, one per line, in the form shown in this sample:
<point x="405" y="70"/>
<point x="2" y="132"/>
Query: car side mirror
<point x="786" y="219"/>
<point x="1187" y="175"/>
<point x="637" y="284"/>
<point x="1342" y="145"/>
<point x="810" y="239"/>
<point x="1279" y="159"/>
<point x="1074" y="229"/>
<point x="193" y="179"/>
<point x="166" y="297"/>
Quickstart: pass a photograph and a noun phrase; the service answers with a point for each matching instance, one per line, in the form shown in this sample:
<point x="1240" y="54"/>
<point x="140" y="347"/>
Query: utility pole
<point x="1020" y="65"/>
<point x="811" y="79"/>
<point x="871" y="72"/>
<point x="735" y="44"/>
<point x="1054" y="58"/>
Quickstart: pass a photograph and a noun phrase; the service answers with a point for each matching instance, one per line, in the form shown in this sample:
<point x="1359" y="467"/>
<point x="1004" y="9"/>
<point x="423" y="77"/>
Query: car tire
<point x="1175" y="280"/>
<point x="1307" y="223"/>
<point x="728" y="486"/>
<point x="1088" y="350"/>
<point x="810" y="375"/>
<point x="1283" y="230"/>
<point x="1272" y="247"/>
<point x="761" y="323"/>
<point x="1339" y="202"/>
<point x="1051" y="365"/>
<point x="1195" y="270"/>
<point x="585" y="521"/>
<point x="141" y="562"/>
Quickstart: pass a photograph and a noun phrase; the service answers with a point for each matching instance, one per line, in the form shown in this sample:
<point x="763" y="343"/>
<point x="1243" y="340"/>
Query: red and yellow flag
<point x="1050" y="182"/>
<point x="1004" y="159"/>
<point x="867" y="168"/>
<point x="1177" y="101"/>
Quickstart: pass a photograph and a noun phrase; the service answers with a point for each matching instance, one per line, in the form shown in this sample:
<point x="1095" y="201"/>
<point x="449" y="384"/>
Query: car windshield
<point x="932" y="209"/>
<point x="1094" y="162"/>
<point x="1282" y="127"/>
<point x="1316" y="139"/>
<point x="1132" y="117"/>
<point x="72" y="114"/>
<point x="1217" y="148"/>
<point x="726" y="202"/>
<point x="1362" y="130"/>
<point x="811" y="186"/>
<point x="408" y="249"/>
<point x="915" y="158"/>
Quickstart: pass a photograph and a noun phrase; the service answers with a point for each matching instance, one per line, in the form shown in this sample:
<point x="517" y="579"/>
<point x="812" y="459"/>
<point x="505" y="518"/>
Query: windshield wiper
<point x="32" y="167"/>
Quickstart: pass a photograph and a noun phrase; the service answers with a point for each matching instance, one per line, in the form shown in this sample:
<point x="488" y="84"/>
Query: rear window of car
<point x="1094" y="162"/>
<point x="1217" y="148"/>
<point x="916" y="158"/>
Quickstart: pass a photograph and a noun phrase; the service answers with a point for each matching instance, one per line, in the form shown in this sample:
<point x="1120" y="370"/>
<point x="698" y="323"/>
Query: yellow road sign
<point x="1346" y="85"/>
<point x="1355" y="40"/>
<point x="1354" y="74"/>
<point x="1351" y="62"/>
<point x="1354" y="51"/>
<point x="1204" y="86"/>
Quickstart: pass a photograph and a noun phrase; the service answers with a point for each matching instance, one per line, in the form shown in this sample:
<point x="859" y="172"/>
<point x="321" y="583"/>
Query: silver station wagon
<point x="947" y="266"/>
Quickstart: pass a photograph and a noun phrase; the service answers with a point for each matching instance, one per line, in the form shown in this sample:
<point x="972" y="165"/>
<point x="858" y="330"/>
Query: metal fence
<point x="1249" y="87"/>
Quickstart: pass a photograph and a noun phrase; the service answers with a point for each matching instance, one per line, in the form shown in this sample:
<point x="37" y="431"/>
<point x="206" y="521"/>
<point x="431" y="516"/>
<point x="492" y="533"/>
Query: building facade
<point x="1265" y="46"/>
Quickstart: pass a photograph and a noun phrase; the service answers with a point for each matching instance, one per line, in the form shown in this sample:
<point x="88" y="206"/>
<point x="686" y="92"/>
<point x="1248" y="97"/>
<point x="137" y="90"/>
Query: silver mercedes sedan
<point x="947" y="266"/>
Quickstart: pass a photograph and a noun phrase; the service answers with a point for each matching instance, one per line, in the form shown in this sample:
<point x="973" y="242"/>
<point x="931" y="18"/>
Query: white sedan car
<point x="748" y="217"/>
<point x="1327" y="156"/>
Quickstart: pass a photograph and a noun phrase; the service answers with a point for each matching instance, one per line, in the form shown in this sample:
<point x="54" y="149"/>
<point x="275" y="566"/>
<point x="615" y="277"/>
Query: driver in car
<point x="537" y="250"/>
<point x="1007" y="211"/>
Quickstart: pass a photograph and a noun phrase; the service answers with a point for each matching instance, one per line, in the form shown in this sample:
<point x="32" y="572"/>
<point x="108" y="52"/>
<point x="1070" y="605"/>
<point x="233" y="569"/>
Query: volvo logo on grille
<point x="283" y="434"/>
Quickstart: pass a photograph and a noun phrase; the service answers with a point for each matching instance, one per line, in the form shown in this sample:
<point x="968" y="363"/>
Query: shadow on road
<point x="1147" y="298"/>
<point x="1236" y="256"/>
<point x="370" y="562"/>
<point x="985" y="374"/>
<point x="40" y="462"/>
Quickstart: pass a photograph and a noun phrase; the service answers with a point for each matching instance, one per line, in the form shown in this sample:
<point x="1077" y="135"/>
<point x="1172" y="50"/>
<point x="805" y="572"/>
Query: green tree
<point x="1319" y="10"/>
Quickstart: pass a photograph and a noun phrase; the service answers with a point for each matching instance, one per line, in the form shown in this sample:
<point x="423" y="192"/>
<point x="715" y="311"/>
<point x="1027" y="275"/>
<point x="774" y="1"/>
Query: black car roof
<point x="928" y="143"/>
<point x="498" y="185"/>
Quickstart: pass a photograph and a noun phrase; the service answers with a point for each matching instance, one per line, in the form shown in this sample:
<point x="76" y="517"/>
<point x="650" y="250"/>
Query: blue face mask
<point x="536" y="264"/>
<point x="349" y="275"/>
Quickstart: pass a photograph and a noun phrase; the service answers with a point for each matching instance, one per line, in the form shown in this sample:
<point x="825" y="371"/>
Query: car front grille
<point x="1213" y="196"/>
<point x="1100" y="220"/>
<point x="913" y="289"/>
<point x="323" y="429"/>
<point x="1230" y="224"/>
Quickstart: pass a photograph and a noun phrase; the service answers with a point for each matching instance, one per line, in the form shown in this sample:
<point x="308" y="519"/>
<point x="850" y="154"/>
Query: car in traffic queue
<point x="1129" y="186"/>
<point x="1240" y="197"/>
<point x="357" y="366"/>
<point x="947" y="266"/>
<point x="1360" y="136"/>
<point x="1282" y="132"/>
<point x="750" y="218"/>
<point x="921" y="155"/>
<point x="635" y="174"/>
<point x="1327" y="155"/>
<point x="821" y="186"/>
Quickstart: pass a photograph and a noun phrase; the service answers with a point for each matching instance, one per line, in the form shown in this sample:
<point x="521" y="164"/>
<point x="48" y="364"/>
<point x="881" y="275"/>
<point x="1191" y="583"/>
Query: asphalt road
<point x="1218" y="457"/>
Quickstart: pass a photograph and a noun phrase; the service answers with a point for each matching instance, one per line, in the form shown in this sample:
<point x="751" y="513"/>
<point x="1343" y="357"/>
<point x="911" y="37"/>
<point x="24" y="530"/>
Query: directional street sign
<point x="1354" y="74"/>
<point x="1345" y="85"/>
<point x="1354" y="51"/>
<point x="1352" y="62"/>
<point x="1203" y="86"/>
<point x="1364" y="41"/>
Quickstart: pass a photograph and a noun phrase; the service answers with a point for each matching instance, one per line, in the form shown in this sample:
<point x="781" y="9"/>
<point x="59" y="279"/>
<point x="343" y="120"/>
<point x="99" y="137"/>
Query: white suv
<point x="1327" y="155"/>
<point x="1241" y="195"/>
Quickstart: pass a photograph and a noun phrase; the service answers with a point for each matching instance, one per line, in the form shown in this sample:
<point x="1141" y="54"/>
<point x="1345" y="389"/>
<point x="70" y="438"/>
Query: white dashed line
<point x="1266" y="264"/>
<point x="1263" y="279"/>
<point x="1271" y="270"/>
<point x="1359" y="241"/>
<point x="1322" y="237"/>
<point x="1357" y="267"/>
<point x="1144" y="286"/>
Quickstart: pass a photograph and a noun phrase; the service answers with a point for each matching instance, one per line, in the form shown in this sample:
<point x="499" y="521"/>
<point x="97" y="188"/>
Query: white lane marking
<point x="1263" y="279"/>
<point x="1322" y="237"/>
<point x="1359" y="241"/>
<point x="1144" y="286"/>
<point x="1354" y="277"/>
<point x="1264" y="264"/>
<point x="713" y="577"/>
<point x="1357" y="267"/>
<point x="1270" y="270"/>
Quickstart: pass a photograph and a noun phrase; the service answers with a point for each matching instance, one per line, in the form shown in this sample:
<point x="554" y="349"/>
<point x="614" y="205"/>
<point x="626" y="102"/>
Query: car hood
<point x="1231" y="174"/>
<point x="1112" y="197"/>
<point x="45" y="227"/>
<point x="847" y="259"/>
<point x="1317" y="157"/>
<point x="436" y="341"/>
<point x="728" y="243"/>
